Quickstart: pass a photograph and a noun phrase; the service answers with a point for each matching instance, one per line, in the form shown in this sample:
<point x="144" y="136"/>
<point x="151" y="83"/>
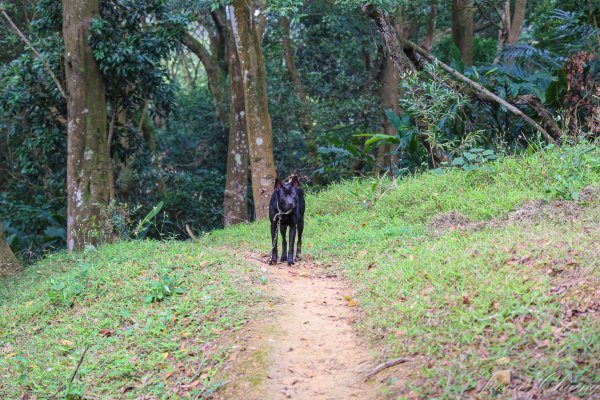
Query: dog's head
<point x="288" y="193"/>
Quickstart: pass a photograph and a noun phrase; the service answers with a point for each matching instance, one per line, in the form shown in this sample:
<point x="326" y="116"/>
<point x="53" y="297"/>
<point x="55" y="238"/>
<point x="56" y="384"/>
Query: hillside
<point x="462" y="274"/>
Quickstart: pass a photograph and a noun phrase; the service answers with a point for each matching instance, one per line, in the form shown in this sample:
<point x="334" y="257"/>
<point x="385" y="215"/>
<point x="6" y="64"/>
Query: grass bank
<point x="465" y="274"/>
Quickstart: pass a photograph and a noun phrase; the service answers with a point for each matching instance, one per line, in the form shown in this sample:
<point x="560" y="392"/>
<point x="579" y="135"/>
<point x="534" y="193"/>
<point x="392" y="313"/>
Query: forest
<point x="337" y="89"/>
<point x="141" y="142"/>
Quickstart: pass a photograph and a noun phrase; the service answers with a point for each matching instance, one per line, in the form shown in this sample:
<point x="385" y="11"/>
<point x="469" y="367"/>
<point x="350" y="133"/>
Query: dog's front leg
<point x="274" y="243"/>
<point x="290" y="257"/>
<point x="283" y="243"/>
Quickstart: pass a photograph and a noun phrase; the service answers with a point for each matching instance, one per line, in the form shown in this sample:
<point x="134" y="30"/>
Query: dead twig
<point x="385" y="365"/>
<point x="78" y="365"/>
<point x="63" y="387"/>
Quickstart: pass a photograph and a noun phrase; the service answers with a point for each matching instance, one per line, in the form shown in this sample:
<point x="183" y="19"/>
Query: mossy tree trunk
<point x="258" y="120"/>
<point x="9" y="264"/>
<point x="235" y="202"/>
<point x="390" y="99"/>
<point x="88" y="159"/>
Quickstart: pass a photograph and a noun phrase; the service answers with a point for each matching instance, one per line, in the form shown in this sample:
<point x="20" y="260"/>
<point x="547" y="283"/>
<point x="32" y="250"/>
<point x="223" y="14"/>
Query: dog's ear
<point x="277" y="184"/>
<point x="295" y="182"/>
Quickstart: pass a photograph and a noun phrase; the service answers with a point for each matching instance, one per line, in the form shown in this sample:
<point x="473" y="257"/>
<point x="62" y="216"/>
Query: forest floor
<point x="486" y="283"/>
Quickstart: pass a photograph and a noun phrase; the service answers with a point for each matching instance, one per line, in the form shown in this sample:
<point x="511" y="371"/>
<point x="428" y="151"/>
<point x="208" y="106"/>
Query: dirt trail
<point x="309" y="347"/>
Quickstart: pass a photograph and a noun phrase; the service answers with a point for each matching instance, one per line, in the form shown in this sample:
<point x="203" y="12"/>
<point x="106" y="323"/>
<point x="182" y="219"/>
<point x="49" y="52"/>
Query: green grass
<point x="454" y="303"/>
<point x="133" y="346"/>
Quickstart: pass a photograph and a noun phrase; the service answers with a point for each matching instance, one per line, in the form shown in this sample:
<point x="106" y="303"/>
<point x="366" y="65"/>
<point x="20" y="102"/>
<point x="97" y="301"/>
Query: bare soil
<point x="308" y="348"/>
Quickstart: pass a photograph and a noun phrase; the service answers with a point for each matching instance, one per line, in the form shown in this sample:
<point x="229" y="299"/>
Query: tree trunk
<point x="88" y="159"/>
<point x="306" y="120"/>
<point x="517" y="21"/>
<point x="428" y="40"/>
<point x="510" y="28"/>
<point x="258" y="120"/>
<point x="8" y="262"/>
<point x="235" y="202"/>
<point x="462" y="29"/>
<point x="390" y="98"/>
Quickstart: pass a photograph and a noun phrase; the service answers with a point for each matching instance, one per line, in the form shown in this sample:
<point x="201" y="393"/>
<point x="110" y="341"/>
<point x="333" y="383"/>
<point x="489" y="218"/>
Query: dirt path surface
<point x="308" y="349"/>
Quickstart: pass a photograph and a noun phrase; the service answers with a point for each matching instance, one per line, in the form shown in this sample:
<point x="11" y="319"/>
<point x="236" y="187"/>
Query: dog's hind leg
<point x="283" y="243"/>
<point x="273" y="243"/>
<point x="300" y="229"/>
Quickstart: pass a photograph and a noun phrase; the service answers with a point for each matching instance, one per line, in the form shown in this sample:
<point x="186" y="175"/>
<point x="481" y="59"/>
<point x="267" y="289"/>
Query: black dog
<point x="286" y="208"/>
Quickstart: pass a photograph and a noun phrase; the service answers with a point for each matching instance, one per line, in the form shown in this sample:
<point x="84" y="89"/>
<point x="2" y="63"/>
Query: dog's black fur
<point x="287" y="196"/>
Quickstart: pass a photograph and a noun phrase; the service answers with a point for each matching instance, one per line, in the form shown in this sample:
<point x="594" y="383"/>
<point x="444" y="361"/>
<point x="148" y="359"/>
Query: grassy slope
<point x="455" y="303"/>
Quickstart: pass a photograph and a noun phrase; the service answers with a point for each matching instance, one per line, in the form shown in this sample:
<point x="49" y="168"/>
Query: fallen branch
<point x="385" y="365"/>
<point x="480" y="90"/>
<point x="37" y="54"/>
<point x="544" y="115"/>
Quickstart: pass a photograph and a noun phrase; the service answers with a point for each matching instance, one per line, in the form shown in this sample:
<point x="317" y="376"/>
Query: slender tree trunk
<point x="306" y="120"/>
<point x="462" y="29"/>
<point x="8" y="262"/>
<point x="510" y="27"/>
<point x="258" y="120"/>
<point x="517" y="21"/>
<point x="235" y="203"/>
<point x="428" y="40"/>
<point x="88" y="159"/>
<point x="390" y="98"/>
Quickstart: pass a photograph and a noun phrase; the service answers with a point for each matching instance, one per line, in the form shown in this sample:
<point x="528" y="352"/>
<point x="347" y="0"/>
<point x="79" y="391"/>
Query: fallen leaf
<point x="216" y="331"/>
<point x="502" y="377"/>
<point x="65" y="342"/>
<point x="352" y="303"/>
<point x="347" y="298"/>
<point x="303" y="274"/>
<point x="465" y="299"/>
<point x="106" y="332"/>
<point x="6" y="357"/>
<point x="127" y="389"/>
<point x="168" y="374"/>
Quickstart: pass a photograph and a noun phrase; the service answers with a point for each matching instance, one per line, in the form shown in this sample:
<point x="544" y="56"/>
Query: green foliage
<point x="166" y="285"/>
<point x="64" y="293"/>
<point x="130" y="42"/>
<point x="474" y="159"/>
<point x="484" y="51"/>
<point x="575" y="167"/>
<point x="144" y="223"/>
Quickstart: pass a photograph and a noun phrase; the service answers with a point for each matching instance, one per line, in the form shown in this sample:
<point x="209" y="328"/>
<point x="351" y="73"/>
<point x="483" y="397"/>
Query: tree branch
<point x="481" y="92"/>
<point x="37" y="54"/>
<point x="198" y="49"/>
